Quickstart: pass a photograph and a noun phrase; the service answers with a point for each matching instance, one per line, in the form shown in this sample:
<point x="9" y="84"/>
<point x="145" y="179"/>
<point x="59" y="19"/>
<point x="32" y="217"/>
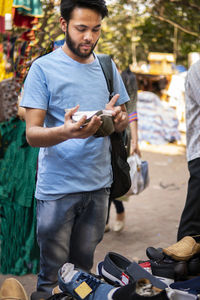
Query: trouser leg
<point x="119" y="206"/>
<point x="54" y="225"/>
<point x="190" y="218"/>
<point x="69" y="230"/>
<point x="88" y="229"/>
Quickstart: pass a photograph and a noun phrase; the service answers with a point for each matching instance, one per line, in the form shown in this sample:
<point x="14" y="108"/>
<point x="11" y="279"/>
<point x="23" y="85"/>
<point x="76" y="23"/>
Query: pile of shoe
<point x="164" y="276"/>
<point x="178" y="262"/>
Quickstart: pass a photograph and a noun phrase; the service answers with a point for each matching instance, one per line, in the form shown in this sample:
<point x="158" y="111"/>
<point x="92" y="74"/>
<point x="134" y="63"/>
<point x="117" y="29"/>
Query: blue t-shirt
<point x="56" y="82"/>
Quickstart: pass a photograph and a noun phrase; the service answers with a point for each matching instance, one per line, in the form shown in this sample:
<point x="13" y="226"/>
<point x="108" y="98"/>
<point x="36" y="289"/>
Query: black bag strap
<point x="106" y="65"/>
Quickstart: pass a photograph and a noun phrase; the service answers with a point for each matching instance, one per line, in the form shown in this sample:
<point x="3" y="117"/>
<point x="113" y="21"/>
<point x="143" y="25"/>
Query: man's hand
<point x="39" y="136"/>
<point x="119" y="113"/>
<point x="73" y="129"/>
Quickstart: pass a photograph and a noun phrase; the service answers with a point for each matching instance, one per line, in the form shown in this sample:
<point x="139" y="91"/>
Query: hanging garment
<point x="29" y="7"/>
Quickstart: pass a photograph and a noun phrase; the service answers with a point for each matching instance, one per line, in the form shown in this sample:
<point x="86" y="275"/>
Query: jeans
<point x="190" y="219"/>
<point x="68" y="230"/>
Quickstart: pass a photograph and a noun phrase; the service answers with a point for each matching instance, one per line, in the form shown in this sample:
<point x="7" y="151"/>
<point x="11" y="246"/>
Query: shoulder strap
<point x="106" y="65"/>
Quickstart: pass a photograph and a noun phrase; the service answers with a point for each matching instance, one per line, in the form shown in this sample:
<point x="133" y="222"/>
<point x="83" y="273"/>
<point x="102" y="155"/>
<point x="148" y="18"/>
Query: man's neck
<point x="82" y="60"/>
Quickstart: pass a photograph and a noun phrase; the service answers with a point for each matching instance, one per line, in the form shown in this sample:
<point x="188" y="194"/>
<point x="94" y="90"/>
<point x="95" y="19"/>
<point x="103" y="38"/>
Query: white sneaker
<point x="118" y="226"/>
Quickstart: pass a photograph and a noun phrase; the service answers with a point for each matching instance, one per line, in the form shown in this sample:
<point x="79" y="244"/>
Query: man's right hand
<point x="39" y="136"/>
<point x="77" y="129"/>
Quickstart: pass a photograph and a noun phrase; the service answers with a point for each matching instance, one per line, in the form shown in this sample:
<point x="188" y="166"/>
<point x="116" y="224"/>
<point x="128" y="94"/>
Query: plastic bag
<point x="139" y="174"/>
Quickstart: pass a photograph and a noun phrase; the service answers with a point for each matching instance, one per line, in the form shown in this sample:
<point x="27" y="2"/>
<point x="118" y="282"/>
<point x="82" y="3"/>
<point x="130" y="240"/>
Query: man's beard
<point x="76" y="50"/>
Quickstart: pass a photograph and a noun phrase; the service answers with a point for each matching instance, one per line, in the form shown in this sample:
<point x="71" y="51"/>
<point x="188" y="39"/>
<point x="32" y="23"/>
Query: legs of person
<point x="190" y="220"/>
<point x="55" y="219"/>
<point x="89" y="228"/>
<point x="120" y="217"/>
<point x="119" y="207"/>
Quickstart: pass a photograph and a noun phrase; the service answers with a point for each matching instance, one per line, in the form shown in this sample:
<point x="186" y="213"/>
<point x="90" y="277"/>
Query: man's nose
<point x="88" y="36"/>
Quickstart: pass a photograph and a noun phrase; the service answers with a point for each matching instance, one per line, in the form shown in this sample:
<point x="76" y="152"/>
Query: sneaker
<point x="82" y="285"/>
<point x="12" y="289"/>
<point x="142" y="289"/>
<point x="185" y="249"/>
<point x="118" y="226"/>
<point x="191" y="286"/>
<point x="117" y="269"/>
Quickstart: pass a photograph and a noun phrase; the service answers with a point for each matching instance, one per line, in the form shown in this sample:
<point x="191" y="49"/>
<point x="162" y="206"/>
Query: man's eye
<point x="81" y="29"/>
<point x="96" y="29"/>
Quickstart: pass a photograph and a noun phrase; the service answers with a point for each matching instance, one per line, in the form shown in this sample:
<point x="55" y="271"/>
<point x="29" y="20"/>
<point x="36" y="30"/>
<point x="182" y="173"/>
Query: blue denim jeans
<point x="68" y="230"/>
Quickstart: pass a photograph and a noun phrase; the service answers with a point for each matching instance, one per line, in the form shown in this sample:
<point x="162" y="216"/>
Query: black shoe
<point x="166" y="268"/>
<point x="117" y="269"/>
<point x="40" y="295"/>
<point x="47" y="296"/>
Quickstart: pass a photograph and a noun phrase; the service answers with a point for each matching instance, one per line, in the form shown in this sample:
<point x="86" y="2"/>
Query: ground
<point x="152" y="217"/>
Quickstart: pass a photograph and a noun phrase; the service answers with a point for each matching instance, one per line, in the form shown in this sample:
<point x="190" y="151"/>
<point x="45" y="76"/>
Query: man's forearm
<point x="44" y="137"/>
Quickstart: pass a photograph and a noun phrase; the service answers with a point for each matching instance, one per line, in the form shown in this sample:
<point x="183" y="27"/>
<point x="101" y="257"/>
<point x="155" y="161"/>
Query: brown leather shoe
<point x="12" y="289"/>
<point x="185" y="249"/>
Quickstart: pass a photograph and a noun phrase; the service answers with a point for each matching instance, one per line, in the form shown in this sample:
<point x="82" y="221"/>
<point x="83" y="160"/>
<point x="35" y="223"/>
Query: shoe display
<point x="82" y="285"/>
<point x="118" y="225"/>
<point x="12" y="289"/>
<point x="117" y="269"/>
<point x="185" y="249"/>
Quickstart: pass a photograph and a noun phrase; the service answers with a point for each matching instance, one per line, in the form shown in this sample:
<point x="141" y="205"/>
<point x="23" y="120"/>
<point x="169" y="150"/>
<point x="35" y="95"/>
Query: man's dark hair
<point x="67" y="6"/>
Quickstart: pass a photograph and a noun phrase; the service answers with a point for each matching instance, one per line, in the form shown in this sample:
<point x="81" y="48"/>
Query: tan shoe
<point x="184" y="249"/>
<point x="12" y="289"/>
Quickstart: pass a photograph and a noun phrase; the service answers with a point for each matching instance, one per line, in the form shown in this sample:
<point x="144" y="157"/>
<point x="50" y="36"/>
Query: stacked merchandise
<point x="165" y="276"/>
<point x="157" y="124"/>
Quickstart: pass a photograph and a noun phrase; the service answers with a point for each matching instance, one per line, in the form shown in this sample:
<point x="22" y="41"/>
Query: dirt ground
<point x="152" y="217"/>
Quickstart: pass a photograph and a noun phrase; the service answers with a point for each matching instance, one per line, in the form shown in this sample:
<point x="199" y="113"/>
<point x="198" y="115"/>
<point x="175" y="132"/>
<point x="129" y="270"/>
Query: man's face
<point x="83" y="32"/>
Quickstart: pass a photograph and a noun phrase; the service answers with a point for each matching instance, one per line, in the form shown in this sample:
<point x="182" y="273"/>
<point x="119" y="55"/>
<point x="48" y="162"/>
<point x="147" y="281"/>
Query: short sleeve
<point x="36" y="94"/>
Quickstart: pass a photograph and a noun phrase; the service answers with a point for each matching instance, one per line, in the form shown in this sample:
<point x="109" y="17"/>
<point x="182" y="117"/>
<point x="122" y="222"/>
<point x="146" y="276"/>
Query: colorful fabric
<point x="133" y="117"/>
<point x="23" y="21"/>
<point x="2" y="24"/>
<point x="29" y="7"/>
<point x="5" y="7"/>
<point x="18" y="207"/>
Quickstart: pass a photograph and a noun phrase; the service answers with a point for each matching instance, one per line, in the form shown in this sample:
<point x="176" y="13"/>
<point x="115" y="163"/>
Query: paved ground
<point x="151" y="217"/>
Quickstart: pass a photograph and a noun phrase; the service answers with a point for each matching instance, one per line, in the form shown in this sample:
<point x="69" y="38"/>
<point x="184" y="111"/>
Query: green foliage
<point x="149" y="26"/>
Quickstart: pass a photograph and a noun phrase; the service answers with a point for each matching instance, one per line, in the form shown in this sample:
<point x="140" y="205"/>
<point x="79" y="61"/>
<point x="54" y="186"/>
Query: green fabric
<point x="18" y="161"/>
<point x="29" y="7"/>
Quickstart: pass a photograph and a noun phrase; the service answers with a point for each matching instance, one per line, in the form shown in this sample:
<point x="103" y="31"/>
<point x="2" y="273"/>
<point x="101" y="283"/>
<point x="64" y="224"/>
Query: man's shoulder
<point x="46" y="57"/>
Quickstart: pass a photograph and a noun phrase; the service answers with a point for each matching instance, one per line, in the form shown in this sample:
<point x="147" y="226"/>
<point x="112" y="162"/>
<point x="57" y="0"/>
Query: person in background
<point x="190" y="222"/>
<point x="74" y="167"/>
<point x="130" y="83"/>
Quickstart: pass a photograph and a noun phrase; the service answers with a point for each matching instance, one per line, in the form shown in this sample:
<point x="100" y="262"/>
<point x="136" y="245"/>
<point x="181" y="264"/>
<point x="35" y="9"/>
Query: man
<point x="74" y="169"/>
<point x="190" y="221"/>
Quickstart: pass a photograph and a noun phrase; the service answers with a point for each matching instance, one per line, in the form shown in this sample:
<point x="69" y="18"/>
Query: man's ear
<point x="63" y="24"/>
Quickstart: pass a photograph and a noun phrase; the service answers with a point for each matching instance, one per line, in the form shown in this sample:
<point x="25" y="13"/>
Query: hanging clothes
<point x="23" y="21"/>
<point x="29" y="7"/>
<point x="18" y="163"/>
